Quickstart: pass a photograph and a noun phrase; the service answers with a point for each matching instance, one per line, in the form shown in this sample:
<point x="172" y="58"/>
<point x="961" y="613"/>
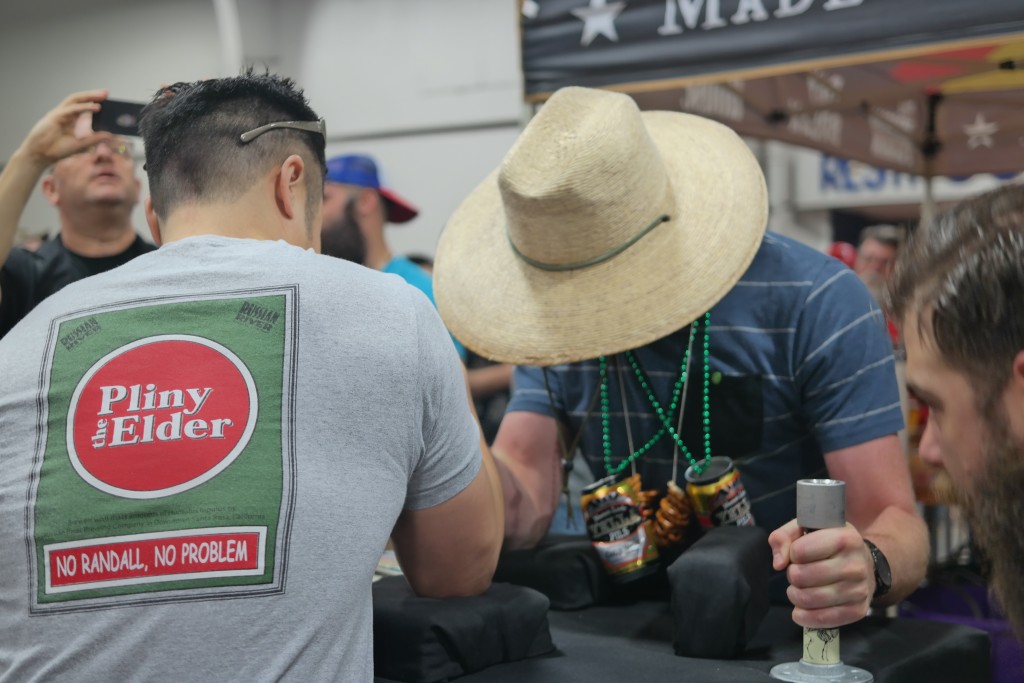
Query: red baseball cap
<point x="361" y="170"/>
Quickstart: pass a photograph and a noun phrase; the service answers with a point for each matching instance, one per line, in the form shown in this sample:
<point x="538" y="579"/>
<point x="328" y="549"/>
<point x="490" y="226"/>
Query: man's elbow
<point x="446" y="588"/>
<point x="471" y="578"/>
<point x="525" y="536"/>
<point x="526" y="520"/>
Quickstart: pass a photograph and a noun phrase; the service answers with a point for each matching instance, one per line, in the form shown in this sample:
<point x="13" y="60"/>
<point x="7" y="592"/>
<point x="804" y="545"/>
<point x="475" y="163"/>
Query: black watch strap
<point x="883" y="574"/>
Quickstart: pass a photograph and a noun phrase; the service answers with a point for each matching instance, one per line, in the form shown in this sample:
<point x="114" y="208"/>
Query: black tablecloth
<point x="633" y="642"/>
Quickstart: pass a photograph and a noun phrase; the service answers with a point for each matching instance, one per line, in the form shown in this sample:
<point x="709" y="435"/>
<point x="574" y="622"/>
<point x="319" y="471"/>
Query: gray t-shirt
<point x="203" y="453"/>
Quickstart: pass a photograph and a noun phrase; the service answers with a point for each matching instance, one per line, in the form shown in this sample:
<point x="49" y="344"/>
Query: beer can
<point x="718" y="495"/>
<point x="617" y="529"/>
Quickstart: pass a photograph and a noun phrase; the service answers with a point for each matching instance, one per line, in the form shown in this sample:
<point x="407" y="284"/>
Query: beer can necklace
<point x="626" y="537"/>
<point x="713" y="487"/>
<point x="678" y="399"/>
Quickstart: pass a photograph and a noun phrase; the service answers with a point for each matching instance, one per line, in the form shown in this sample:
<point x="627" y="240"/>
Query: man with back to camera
<point x="956" y="293"/>
<point x="178" y="439"/>
<point x="620" y="237"/>
<point x="94" y="189"/>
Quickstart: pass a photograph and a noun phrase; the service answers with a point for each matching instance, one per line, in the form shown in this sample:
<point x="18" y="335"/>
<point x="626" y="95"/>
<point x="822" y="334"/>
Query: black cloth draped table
<point x="634" y="643"/>
<point x="712" y="601"/>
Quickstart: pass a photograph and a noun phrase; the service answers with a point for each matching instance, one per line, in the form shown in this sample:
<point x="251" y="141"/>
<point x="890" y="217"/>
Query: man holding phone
<point x="90" y="178"/>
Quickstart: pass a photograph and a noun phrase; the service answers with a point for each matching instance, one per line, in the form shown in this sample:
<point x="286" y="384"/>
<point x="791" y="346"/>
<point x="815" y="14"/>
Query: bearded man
<point x="956" y="295"/>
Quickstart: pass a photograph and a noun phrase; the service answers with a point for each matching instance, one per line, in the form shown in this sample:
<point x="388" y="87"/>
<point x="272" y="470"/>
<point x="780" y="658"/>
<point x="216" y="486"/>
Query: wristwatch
<point x="883" y="574"/>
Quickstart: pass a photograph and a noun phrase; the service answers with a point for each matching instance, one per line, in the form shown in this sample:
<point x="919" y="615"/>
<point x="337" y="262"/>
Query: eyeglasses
<point x="121" y="148"/>
<point x="311" y="126"/>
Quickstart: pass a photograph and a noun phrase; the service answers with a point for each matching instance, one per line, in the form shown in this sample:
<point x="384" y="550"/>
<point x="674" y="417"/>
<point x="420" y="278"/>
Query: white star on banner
<point x="597" y="19"/>
<point x="530" y="9"/>
<point x="980" y="132"/>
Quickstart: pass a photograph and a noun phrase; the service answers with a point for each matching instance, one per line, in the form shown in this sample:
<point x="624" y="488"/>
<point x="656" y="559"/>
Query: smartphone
<point x="118" y="116"/>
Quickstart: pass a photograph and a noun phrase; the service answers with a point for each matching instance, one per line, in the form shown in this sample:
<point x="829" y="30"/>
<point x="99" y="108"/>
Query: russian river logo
<point x="160" y="416"/>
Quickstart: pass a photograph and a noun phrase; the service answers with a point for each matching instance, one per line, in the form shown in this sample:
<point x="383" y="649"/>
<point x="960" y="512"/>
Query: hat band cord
<point x="663" y="218"/>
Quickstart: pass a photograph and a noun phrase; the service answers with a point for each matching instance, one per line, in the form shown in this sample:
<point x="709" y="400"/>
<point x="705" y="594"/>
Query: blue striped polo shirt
<point x="801" y="365"/>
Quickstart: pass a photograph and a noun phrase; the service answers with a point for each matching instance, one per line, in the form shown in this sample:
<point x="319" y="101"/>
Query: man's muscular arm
<point x="528" y="458"/>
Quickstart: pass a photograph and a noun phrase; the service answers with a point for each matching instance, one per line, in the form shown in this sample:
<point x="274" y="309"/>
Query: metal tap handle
<point x="820" y="503"/>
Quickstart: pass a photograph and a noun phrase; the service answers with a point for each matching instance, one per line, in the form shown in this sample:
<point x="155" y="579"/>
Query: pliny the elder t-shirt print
<point x="164" y="465"/>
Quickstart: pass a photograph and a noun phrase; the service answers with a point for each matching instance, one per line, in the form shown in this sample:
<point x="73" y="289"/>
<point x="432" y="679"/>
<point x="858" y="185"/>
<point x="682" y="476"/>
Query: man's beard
<point x="995" y="514"/>
<point x="343" y="238"/>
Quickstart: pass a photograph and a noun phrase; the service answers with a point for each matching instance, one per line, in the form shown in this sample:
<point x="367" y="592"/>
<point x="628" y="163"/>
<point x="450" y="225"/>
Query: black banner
<point x="931" y="87"/>
<point x="600" y="43"/>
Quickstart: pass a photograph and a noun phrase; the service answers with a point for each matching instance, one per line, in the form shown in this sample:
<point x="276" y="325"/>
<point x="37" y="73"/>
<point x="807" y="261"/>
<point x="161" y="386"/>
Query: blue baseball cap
<point x="361" y="170"/>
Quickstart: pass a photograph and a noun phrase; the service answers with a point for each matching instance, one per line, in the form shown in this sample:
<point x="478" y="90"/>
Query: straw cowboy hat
<point x="604" y="229"/>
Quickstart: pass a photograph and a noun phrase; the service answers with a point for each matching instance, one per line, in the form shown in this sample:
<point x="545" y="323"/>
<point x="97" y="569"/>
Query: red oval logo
<point x="160" y="416"/>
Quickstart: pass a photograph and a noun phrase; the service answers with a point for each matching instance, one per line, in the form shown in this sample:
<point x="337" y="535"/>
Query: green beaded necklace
<point x="678" y="399"/>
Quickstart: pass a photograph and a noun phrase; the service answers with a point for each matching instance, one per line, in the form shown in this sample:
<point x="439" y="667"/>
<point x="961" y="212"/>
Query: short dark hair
<point x="421" y="260"/>
<point x="191" y="132"/>
<point x="961" y="280"/>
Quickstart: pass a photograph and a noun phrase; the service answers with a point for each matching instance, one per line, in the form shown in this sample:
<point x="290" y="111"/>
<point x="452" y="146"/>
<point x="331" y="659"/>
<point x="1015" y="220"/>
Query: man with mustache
<point x="91" y="182"/>
<point x="956" y="295"/>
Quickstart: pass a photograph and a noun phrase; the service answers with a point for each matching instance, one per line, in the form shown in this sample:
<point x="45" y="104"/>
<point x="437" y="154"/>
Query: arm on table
<point x="527" y="454"/>
<point x="451" y="549"/>
<point x="831" y="572"/>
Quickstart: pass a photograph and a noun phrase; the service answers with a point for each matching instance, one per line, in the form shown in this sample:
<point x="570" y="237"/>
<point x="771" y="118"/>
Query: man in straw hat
<point x="956" y="294"/>
<point x="626" y="254"/>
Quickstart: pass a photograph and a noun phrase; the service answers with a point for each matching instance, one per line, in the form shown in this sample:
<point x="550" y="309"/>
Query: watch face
<point x="883" y="574"/>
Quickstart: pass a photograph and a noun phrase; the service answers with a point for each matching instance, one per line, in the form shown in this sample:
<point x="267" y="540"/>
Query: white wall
<point x="374" y="66"/>
<point x="431" y="88"/>
<point x="397" y="79"/>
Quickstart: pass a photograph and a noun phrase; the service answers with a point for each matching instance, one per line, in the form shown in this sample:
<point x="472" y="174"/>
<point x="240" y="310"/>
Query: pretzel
<point x="672" y="517"/>
<point x="645" y="499"/>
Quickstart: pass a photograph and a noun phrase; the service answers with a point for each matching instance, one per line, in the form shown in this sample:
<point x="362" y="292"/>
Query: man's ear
<point x="154" y="222"/>
<point x="289" y="187"/>
<point x="50" y="189"/>
<point x="1013" y="396"/>
<point x="1018" y="369"/>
